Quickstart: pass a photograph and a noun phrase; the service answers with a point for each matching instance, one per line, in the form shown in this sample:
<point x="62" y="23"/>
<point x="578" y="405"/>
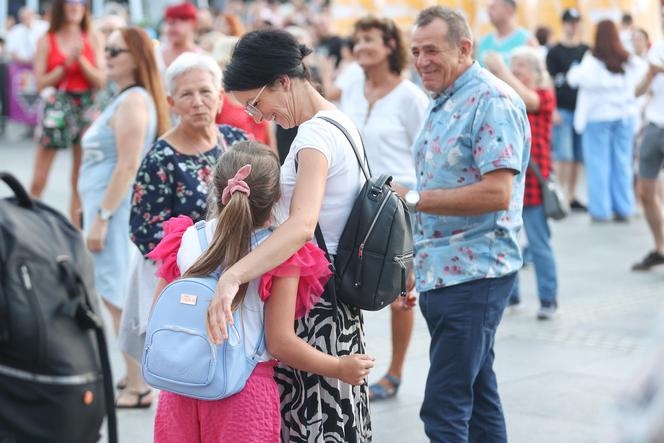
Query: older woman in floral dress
<point x="173" y="180"/>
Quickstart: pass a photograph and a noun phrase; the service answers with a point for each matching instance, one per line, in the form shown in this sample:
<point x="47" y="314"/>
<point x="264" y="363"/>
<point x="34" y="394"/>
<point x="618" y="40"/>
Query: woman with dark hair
<point x="113" y="147"/>
<point x="388" y="110"/>
<point x="68" y="68"/>
<point x="605" y="115"/>
<point x="320" y="180"/>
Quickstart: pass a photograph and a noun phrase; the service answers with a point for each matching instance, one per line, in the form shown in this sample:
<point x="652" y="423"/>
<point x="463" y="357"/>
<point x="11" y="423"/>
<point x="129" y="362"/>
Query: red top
<point x="74" y="80"/>
<point x="309" y="264"/>
<point x="234" y="115"/>
<point x="540" y="151"/>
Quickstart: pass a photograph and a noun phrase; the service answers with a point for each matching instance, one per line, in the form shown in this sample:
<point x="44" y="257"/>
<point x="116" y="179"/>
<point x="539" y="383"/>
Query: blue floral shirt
<point x="478" y="125"/>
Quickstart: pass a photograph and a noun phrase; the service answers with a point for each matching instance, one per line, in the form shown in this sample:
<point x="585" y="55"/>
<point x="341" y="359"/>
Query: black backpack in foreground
<point x="55" y="377"/>
<point x="375" y="252"/>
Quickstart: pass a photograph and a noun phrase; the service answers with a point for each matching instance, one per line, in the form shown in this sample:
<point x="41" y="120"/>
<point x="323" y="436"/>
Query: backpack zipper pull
<point x="358" y="269"/>
<point x="404" y="277"/>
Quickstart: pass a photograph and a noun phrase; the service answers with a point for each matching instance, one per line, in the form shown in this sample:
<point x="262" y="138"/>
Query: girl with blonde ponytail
<point x="244" y="190"/>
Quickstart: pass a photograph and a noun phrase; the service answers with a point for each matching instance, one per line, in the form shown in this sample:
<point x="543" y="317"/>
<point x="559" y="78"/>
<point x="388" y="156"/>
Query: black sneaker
<point x="576" y="205"/>
<point x="652" y="259"/>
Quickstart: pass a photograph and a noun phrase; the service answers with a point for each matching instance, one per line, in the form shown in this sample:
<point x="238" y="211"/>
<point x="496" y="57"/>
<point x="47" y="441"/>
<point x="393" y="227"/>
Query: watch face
<point x="412" y="197"/>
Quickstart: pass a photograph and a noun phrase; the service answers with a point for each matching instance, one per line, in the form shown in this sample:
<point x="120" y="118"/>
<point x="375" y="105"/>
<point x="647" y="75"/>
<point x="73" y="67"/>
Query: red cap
<point x="182" y="11"/>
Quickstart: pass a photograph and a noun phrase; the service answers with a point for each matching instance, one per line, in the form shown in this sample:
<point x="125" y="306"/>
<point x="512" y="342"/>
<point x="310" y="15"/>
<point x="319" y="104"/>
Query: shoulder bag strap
<point x="364" y="165"/>
<point x="538" y="173"/>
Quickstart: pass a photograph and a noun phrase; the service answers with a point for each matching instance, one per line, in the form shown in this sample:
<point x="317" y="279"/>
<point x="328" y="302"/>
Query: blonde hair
<point x="237" y="220"/>
<point x="534" y="58"/>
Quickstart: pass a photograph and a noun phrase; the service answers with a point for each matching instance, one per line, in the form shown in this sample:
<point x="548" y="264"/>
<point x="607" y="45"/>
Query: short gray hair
<point x="190" y="61"/>
<point x="457" y="25"/>
<point x="535" y="59"/>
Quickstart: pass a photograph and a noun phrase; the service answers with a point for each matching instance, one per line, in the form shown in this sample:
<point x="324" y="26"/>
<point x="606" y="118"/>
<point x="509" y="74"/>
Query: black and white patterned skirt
<point x="320" y="409"/>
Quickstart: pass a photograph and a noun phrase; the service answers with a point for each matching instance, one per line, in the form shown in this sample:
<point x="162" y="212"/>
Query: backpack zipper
<point x="401" y="260"/>
<point x="360" y="251"/>
<point x="26" y="279"/>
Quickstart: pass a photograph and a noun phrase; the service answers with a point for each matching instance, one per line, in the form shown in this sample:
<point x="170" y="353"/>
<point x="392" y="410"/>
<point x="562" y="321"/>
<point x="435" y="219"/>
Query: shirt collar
<point x="459" y="83"/>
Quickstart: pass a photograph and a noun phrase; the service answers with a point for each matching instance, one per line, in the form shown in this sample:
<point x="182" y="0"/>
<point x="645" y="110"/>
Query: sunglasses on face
<point x="252" y="110"/>
<point x="114" y="52"/>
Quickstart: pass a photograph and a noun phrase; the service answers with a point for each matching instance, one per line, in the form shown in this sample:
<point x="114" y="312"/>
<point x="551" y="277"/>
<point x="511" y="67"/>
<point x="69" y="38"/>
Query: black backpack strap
<point x="81" y="308"/>
<point x="364" y="165"/>
<point x="329" y="286"/>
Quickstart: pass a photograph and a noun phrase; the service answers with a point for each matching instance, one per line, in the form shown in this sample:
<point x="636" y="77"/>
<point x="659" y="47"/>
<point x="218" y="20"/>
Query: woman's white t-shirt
<point x="344" y="177"/>
<point x="389" y="128"/>
<point x="252" y="306"/>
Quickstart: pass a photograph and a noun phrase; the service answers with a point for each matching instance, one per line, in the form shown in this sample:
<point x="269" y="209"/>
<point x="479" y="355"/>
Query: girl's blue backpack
<point x="178" y="356"/>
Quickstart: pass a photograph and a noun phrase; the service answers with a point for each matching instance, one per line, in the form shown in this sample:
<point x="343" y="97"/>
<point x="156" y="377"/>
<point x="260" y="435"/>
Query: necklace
<point x="221" y="147"/>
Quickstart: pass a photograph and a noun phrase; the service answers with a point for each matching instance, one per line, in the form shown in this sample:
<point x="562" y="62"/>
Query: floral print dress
<point x="169" y="184"/>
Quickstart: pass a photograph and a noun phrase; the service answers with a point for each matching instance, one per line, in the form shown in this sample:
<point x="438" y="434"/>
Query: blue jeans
<point x="539" y="246"/>
<point x="607" y="154"/>
<point x="565" y="141"/>
<point x="461" y="401"/>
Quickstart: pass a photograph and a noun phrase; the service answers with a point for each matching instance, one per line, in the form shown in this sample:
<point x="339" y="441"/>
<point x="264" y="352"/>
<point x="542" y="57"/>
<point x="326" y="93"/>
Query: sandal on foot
<point x="139" y="404"/>
<point x="378" y="391"/>
<point x="122" y="383"/>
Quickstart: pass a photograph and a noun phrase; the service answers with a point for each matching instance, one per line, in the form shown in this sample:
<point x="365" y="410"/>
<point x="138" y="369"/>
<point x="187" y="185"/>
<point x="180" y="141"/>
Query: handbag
<point x="178" y="356"/>
<point x="555" y="204"/>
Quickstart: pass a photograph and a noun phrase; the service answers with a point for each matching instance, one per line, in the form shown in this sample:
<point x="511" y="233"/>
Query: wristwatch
<point x="104" y="214"/>
<point x="412" y="198"/>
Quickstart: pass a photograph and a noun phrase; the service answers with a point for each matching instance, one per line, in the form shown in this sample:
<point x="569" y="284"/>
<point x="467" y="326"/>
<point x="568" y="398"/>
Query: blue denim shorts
<point x="565" y="140"/>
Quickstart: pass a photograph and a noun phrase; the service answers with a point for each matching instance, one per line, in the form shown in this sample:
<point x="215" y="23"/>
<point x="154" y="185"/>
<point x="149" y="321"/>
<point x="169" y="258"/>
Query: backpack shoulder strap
<point x="202" y="237"/>
<point x="364" y="165"/>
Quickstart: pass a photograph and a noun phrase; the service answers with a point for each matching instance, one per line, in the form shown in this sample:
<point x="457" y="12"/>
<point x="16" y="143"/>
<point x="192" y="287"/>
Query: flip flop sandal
<point x="378" y="391"/>
<point x="139" y="400"/>
<point x="122" y="383"/>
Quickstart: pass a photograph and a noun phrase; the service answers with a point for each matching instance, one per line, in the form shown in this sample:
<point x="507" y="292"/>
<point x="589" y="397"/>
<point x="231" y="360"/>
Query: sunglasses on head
<point x="114" y="52"/>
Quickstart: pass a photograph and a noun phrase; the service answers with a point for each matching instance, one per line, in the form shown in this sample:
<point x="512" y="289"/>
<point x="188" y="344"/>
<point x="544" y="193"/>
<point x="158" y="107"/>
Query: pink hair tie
<point x="236" y="184"/>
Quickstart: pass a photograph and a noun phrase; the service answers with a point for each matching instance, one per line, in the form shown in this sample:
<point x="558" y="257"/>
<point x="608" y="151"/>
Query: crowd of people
<point x="220" y="116"/>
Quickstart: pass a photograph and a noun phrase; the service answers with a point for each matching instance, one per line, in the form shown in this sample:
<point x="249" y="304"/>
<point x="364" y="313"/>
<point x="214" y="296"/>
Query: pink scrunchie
<point x="236" y="184"/>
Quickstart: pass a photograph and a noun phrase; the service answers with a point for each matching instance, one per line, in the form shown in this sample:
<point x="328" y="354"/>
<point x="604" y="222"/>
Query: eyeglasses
<point x="252" y="110"/>
<point x="114" y="52"/>
<point x="76" y="2"/>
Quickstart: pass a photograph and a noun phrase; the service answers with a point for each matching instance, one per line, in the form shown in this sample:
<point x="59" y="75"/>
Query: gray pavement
<point x="559" y="380"/>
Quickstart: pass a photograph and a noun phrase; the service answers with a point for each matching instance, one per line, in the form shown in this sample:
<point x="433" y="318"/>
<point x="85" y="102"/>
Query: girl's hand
<point x="97" y="235"/>
<point x="219" y="315"/>
<point x="353" y="369"/>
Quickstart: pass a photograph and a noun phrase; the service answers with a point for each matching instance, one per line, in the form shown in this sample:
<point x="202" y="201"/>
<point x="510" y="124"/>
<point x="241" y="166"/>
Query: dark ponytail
<point x="261" y="57"/>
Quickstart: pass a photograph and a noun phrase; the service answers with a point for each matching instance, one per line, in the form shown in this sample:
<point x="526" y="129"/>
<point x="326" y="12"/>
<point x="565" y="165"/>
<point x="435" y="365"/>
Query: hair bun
<point x="304" y="51"/>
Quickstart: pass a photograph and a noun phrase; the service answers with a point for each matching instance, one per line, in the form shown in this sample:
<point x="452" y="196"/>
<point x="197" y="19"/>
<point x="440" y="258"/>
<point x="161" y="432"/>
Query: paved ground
<point x="558" y="380"/>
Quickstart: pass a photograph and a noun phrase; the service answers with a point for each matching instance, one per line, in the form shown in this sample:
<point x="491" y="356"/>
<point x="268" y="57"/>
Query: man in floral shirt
<point x="471" y="157"/>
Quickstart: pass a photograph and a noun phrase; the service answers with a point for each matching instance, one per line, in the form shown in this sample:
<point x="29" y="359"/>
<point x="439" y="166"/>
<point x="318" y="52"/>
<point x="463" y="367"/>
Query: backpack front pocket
<point x="180" y="355"/>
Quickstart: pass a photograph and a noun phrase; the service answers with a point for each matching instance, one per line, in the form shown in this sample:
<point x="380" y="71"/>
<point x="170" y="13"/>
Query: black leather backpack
<point x="375" y="251"/>
<point x="55" y="377"/>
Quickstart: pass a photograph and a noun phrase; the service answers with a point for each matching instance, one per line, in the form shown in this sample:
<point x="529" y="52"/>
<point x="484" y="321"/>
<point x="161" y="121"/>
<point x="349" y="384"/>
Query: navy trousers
<point x="461" y="401"/>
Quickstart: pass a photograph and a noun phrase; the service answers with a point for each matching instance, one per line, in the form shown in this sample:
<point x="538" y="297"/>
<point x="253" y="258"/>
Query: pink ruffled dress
<point x="252" y="415"/>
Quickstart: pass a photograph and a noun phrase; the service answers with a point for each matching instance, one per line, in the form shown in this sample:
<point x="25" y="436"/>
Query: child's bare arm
<point x="287" y="347"/>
